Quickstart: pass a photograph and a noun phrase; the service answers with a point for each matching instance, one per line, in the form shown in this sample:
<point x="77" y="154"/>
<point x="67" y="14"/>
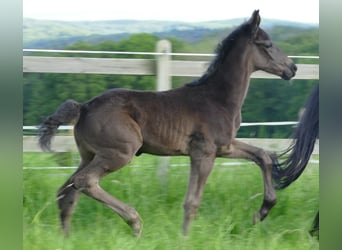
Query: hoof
<point x="314" y="233"/>
<point x="185" y="232"/>
<point x="136" y="227"/>
<point x="256" y="218"/>
<point x="137" y="233"/>
<point x="137" y="230"/>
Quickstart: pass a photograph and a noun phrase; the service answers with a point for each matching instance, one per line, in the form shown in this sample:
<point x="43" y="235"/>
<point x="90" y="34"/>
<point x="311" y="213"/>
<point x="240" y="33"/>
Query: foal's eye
<point x="265" y="43"/>
<point x="268" y="44"/>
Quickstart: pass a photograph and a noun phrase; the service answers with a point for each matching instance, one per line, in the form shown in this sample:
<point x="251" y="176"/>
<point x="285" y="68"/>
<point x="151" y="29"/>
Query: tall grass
<point x="224" y="221"/>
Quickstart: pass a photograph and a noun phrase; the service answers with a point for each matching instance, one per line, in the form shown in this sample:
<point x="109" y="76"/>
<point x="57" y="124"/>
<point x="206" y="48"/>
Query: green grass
<point x="224" y="221"/>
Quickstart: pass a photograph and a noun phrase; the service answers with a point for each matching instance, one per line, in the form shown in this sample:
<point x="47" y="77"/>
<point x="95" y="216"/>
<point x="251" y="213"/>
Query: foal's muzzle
<point x="290" y="72"/>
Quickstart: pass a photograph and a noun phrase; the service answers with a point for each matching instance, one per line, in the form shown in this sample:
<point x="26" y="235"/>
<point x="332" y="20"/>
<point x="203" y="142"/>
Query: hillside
<point x="59" y="34"/>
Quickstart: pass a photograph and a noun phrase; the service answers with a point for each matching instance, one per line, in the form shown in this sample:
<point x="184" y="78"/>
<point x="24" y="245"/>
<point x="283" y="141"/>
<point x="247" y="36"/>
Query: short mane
<point x="222" y="50"/>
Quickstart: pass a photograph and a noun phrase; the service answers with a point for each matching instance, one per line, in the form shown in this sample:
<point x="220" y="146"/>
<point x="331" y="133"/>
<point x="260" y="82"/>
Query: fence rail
<point x="66" y="143"/>
<point x="136" y="53"/>
<point x="243" y="124"/>
<point x="44" y="64"/>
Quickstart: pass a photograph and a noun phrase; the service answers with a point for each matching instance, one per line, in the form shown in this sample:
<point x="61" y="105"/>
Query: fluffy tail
<point x="65" y="113"/>
<point x="302" y="146"/>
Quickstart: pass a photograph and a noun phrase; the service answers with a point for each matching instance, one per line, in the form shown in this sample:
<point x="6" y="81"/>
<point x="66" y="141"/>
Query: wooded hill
<point x="58" y="34"/>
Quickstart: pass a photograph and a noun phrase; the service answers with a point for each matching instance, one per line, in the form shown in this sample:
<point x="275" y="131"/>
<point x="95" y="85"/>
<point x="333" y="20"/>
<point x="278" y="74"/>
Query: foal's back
<point x="163" y="122"/>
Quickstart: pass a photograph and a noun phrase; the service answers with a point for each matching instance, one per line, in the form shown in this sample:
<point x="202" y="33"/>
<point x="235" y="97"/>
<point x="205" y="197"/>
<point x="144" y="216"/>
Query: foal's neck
<point x="232" y="79"/>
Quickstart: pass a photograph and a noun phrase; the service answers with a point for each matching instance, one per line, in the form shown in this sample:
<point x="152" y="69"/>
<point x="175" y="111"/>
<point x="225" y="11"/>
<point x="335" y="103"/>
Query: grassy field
<point x="232" y="195"/>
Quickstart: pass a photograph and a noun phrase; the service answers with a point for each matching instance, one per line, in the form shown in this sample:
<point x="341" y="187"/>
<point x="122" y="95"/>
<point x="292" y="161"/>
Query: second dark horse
<point x="299" y="152"/>
<point x="200" y="120"/>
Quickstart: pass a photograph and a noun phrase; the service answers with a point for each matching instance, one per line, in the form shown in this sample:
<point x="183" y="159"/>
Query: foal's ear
<point x="254" y="22"/>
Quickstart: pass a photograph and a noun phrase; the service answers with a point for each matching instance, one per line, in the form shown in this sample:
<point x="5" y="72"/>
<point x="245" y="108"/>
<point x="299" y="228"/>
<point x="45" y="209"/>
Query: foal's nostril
<point x="294" y="67"/>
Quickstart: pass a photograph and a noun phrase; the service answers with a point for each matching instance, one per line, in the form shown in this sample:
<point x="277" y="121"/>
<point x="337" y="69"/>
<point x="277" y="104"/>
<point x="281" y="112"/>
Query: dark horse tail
<point x="66" y="113"/>
<point x="299" y="152"/>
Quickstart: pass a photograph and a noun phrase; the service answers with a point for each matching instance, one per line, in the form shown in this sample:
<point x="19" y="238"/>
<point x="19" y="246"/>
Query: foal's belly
<point x="164" y="146"/>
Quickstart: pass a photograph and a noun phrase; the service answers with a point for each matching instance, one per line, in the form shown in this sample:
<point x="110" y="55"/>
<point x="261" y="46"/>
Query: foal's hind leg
<point x="67" y="197"/>
<point x="242" y="150"/>
<point x="87" y="181"/>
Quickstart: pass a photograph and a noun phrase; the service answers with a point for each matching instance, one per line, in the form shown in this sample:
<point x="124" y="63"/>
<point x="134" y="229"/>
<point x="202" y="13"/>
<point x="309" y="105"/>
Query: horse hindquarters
<point x="87" y="181"/>
<point x="105" y="147"/>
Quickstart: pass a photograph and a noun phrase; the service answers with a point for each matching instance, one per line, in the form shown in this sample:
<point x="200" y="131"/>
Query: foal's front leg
<point x="201" y="166"/>
<point x="241" y="150"/>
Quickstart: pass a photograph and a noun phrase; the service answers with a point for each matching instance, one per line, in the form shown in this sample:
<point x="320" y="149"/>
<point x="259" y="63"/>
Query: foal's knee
<point x="66" y="196"/>
<point x="191" y="208"/>
<point x="264" y="157"/>
<point x="84" y="182"/>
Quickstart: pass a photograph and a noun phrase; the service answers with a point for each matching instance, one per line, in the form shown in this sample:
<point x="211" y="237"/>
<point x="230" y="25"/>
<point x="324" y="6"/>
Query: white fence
<point x="67" y="144"/>
<point x="163" y="66"/>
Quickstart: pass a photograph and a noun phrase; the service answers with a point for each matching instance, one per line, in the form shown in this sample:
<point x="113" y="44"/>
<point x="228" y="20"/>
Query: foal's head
<point x="266" y="55"/>
<point x="249" y="43"/>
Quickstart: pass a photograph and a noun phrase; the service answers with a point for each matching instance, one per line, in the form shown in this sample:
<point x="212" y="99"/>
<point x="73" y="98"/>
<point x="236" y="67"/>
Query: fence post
<point x="163" y="65"/>
<point x="163" y="83"/>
